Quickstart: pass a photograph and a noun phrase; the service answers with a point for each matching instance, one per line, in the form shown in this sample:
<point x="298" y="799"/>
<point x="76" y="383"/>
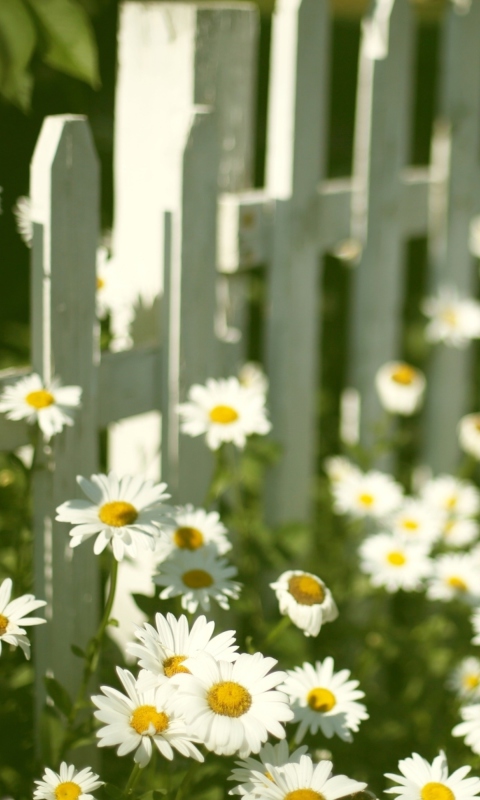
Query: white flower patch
<point x="470" y="729"/>
<point x="305" y="599"/>
<point x="192" y="529"/>
<point x="417" y="522"/>
<point x="448" y="494"/>
<point x="232" y="708"/>
<point x="371" y="494"/>
<point x="252" y="376"/>
<point x="419" y="779"/>
<point x="139" y="720"/>
<point x="453" y="320"/>
<point x="123" y="512"/>
<point x="22" y="211"/>
<point x="324" y="700"/>
<point x="198" y="576"/>
<point x="306" y="781"/>
<point x="469" y="434"/>
<point x="225" y="411"/>
<point x="464" y="680"/>
<point x="400" y="387"/>
<point x="50" y="404"/>
<point x="14" y="617"/>
<point x="394" y="563"/>
<point x="276" y="755"/>
<point x="460" y="532"/>
<point x="339" y="468"/>
<point x="455" y="576"/>
<point x="165" y="648"/>
<point x="68" y="784"/>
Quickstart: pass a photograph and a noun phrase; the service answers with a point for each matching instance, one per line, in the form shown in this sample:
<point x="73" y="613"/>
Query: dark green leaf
<point x="77" y="651"/>
<point x="17" y="44"/>
<point x="69" y="39"/>
<point x="59" y="695"/>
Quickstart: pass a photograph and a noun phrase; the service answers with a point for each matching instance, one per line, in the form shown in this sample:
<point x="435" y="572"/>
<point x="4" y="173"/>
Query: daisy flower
<point x="469" y="434"/>
<point x="194" y="528"/>
<point x="14" y="619"/>
<point x="252" y="376"/>
<point x="339" y="468"/>
<point x="419" y="779"/>
<point x="465" y="679"/>
<point x="163" y="649"/>
<point x="455" y="576"/>
<point x="324" y="700"/>
<point x="232" y="708"/>
<point x="276" y="755"/>
<point x="225" y="411"/>
<point x="139" y="720"/>
<point x="453" y="320"/>
<point x="475" y="620"/>
<point x="395" y="563"/>
<point x="470" y="729"/>
<point x="121" y="511"/>
<point x="459" y="532"/>
<point x="371" y="494"/>
<point x="198" y="575"/>
<point x="51" y="405"/>
<point x="400" y="387"/>
<point x="68" y="784"/>
<point x="22" y="211"/>
<point x="306" y="781"/>
<point x="305" y="599"/>
<point x="417" y="522"/>
<point x="448" y="494"/>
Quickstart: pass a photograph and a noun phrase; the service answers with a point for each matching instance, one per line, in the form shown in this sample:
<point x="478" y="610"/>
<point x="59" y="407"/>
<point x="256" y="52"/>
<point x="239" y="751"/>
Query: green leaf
<point x="149" y="605"/>
<point x="77" y="651"/>
<point x="17" y="44"/>
<point x="113" y="622"/>
<point x="69" y="38"/>
<point x="59" y="695"/>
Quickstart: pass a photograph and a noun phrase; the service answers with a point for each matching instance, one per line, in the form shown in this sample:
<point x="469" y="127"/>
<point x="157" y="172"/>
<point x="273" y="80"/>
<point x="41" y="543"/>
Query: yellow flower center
<point x="396" y="559"/>
<point x="100" y="283"/>
<point x="40" y="399"/>
<point x="404" y="375"/>
<point x="118" y="513"/>
<point x="366" y="499"/>
<point x="3" y="624"/>
<point x="321" y="700"/>
<point x="306" y="590"/>
<point x="197" y="579"/>
<point x="268" y="775"/>
<point x="146" y="716"/>
<point x="457" y="583"/>
<point x="451" y="502"/>
<point x="450" y="317"/>
<point x="436" y="791"/>
<point x="304" y="794"/>
<point x="188" y="538"/>
<point x="476" y="424"/>
<point x="410" y="525"/>
<point x="223" y="415"/>
<point x="471" y="681"/>
<point x="67" y="791"/>
<point x="173" y="665"/>
<point x="229" y="699"/>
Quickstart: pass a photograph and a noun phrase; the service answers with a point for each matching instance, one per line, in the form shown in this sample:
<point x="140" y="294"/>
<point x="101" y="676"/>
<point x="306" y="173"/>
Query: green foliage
<point x="59" y="31"/>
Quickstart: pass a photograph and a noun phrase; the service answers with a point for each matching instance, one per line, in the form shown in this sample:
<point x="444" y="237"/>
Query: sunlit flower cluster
<point x="51" y="405"/>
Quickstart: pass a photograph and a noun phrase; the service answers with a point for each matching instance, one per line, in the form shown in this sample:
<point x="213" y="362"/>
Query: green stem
<point x="282" y="625"/>
<point x="134" y="776"/>
<point x="93" y="648"/>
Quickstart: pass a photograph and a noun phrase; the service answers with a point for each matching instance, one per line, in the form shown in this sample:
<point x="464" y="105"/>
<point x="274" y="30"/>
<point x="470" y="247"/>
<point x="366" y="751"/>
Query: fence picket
<point x="455" y="161"/>
<point x="65" y="209"/>
<point x="296" y="145"/>
<point x="382" y="137"/>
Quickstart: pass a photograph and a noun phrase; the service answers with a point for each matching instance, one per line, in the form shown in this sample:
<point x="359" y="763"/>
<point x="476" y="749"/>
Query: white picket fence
<point x="189" y="225"/>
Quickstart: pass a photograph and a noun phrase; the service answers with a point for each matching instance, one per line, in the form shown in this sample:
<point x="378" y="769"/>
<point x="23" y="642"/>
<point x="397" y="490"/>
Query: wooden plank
<point x="128" y="384"/>
<point x="296" y="149"/>
<point x="64" y="192"/>
<point x="382" y="137"/>
<point x="456" y="201"/>
<point x="191" y="304"/>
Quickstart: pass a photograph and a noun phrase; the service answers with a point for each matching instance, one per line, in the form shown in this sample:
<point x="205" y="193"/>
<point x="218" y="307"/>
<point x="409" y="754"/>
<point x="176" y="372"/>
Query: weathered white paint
<point x="382" y="139"/>
<point x="455" y="201"/>
<point x="65" y="209"/>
